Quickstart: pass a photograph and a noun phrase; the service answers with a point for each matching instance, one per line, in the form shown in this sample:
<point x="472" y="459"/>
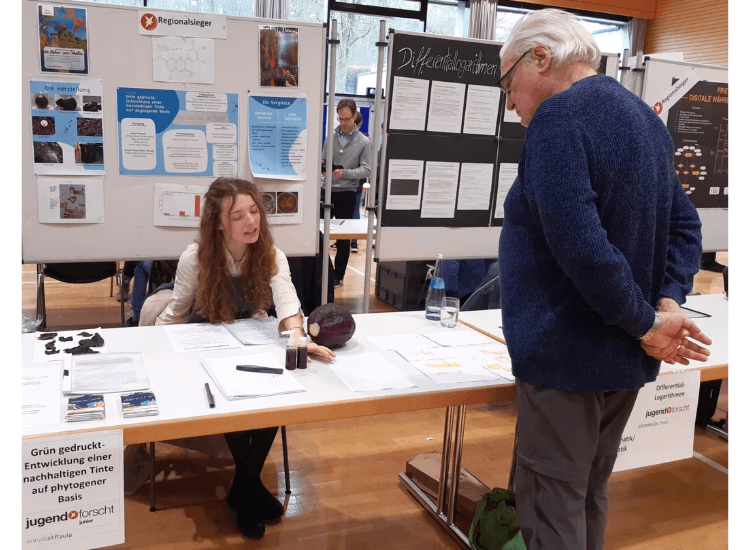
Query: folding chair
<point x="74" y="273"/>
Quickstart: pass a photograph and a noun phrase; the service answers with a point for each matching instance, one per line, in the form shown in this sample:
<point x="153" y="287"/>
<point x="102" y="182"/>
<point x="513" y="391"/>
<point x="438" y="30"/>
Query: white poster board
<point x="127" y="230"/>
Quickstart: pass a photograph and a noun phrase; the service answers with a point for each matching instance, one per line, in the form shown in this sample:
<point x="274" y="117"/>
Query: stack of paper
<point x="235" y="384"/>
<point x="255" y="331"/>
<point x="105" y="373"/>
<point x="141" y="403"/>
<point x="88" y="406"/>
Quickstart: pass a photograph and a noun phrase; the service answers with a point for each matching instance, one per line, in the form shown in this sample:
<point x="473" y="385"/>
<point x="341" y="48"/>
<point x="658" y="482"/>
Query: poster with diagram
<point x="70" y="200"/>
<point x="177" y="133"/>
<point x="699" y="124"/>
<point x="63" y="39"/>
<point x="277" y="140"/>
<point x="67" y="127"/>
<point x="178" y="205"/>
<point x="183" y="59"/>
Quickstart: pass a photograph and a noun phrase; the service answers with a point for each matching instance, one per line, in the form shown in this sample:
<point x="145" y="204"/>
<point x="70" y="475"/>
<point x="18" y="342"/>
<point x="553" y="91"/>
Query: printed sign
<point x="72" y="491"/>
<point x="662" y="425"/>
<point x="170" y="23"/>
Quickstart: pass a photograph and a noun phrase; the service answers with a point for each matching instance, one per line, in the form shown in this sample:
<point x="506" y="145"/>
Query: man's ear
<point x="542" y="58"/>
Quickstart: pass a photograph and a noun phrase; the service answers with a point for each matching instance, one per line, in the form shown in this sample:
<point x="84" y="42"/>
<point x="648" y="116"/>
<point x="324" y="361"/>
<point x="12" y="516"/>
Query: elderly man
<point x="599" y="247"/>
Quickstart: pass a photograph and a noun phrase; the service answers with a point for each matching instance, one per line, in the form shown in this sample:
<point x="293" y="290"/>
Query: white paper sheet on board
<point x="178" y="205"/>
<point x="475" y="186"/>
<point x="404" y="184"/>
<point x="446" y="107"/>
<point x="409" y="104"/>
<point x="506" y="176"/>
<point x="181" y="59"/>
<point x="440" y="185"/>
<point x="70" y="200"/>
<point x="483" y="104"/>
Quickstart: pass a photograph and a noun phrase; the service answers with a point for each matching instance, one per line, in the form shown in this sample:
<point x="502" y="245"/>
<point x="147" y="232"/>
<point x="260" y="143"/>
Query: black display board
<point x="439" y="59"/>
<point x="699" y="124"/>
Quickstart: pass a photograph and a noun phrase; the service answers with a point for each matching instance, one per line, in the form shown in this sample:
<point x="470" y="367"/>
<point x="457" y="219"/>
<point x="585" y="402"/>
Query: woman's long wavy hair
<point x="213" y="298"/>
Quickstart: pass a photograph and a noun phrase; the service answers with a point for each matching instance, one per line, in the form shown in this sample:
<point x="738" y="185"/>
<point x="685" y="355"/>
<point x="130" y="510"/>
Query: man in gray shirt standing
<point x="351" y="162"/>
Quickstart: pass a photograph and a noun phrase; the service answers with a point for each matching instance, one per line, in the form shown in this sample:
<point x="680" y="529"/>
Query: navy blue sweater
<point x="597" y="228"/>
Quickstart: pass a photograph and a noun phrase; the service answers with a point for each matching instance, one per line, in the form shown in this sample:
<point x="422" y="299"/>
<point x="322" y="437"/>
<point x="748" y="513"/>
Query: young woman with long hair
<point x="234" y="271"/>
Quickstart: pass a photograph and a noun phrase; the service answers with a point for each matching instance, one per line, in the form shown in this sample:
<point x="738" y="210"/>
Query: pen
<point x="256" y="368"/>
<point x="210" y="396"/>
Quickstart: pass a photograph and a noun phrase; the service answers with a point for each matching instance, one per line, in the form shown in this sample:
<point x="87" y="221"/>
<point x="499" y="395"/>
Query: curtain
<point x="482" y="16"/>
<point x="272" y="9"/>
<point x="636" y="34"/>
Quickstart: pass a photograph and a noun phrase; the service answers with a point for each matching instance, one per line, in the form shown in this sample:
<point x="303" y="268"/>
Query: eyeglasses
<point x="341" y="119"/>
<point x="507" y="73"/>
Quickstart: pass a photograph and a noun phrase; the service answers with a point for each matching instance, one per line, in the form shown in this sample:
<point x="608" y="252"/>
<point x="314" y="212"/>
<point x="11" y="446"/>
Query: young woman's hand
<point x="321" y="352"/>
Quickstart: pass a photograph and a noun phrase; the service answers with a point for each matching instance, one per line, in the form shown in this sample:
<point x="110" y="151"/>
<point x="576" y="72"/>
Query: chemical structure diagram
<point x="182" y="62"/>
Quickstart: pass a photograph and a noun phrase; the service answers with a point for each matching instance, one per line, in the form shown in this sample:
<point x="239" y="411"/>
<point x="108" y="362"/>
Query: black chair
<point x="307" y="277"/>
<point x="74" y="273"/>
<point x="487" y="294"/>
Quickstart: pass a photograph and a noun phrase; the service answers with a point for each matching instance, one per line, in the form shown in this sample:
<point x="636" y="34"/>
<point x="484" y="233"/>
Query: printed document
<point x="235" y="384"/>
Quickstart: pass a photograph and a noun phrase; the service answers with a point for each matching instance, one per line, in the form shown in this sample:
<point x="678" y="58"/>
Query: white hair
<point x="562" y="32"/>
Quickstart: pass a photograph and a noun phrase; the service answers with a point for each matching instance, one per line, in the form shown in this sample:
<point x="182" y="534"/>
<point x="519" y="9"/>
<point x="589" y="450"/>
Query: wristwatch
<point x="657" y="322"/>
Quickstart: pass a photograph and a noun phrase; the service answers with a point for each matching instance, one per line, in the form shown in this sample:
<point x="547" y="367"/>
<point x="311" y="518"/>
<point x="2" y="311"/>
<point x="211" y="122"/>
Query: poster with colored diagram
<point x="63" y="39"/>
<point x="177" y="133"/>
<point x="66" y="127"/>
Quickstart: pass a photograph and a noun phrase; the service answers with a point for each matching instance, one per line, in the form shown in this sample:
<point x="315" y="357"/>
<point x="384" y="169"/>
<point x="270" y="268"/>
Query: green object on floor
<point x="495" y="526"/>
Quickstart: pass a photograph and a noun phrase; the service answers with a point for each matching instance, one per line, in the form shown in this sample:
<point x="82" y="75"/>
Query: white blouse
<point x="186" y="283"/>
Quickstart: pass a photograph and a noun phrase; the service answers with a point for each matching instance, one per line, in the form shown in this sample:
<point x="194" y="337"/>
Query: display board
<point x="693" y="101"/>
<point x="162" y="104"/>
<point x="440" y="148"/>
<point x="451" y="148"/>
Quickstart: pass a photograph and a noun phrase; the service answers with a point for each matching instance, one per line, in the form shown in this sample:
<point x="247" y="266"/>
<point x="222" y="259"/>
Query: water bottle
<point x="436" y="292"/>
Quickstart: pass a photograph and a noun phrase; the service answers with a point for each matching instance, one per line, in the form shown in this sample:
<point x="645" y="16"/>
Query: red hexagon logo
<point x="73" y="514"/>
<point x="658" y="107"/>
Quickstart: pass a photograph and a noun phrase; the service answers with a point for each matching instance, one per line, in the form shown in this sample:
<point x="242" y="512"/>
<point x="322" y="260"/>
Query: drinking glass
<point x="449" y="312"/>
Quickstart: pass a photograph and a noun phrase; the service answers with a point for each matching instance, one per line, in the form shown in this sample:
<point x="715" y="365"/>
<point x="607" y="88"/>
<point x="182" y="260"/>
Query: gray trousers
<point x="567" y="447"/>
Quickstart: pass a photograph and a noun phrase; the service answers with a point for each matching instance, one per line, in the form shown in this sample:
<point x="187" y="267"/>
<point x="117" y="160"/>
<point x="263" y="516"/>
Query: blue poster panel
<point x="177" y="133"/>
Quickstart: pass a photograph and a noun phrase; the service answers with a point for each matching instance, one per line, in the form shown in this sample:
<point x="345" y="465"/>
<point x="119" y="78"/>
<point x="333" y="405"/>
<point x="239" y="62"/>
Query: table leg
<point x="450" y="469"/>
<point x="152" y="481"/>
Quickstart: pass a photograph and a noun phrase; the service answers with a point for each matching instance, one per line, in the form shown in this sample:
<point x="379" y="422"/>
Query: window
<point x="244" y="8"/>
<point x="610" y="35"/>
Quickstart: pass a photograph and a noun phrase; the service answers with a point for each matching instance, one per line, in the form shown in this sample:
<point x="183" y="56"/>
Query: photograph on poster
<point x="279" y="56"/>
<point x="283" y="203"/>
<point x="63" y="200"/>
<point x="63" y="39"/>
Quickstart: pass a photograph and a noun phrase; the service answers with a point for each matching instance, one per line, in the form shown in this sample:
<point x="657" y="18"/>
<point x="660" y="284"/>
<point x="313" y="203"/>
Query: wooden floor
<point x="345" y="490"/>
